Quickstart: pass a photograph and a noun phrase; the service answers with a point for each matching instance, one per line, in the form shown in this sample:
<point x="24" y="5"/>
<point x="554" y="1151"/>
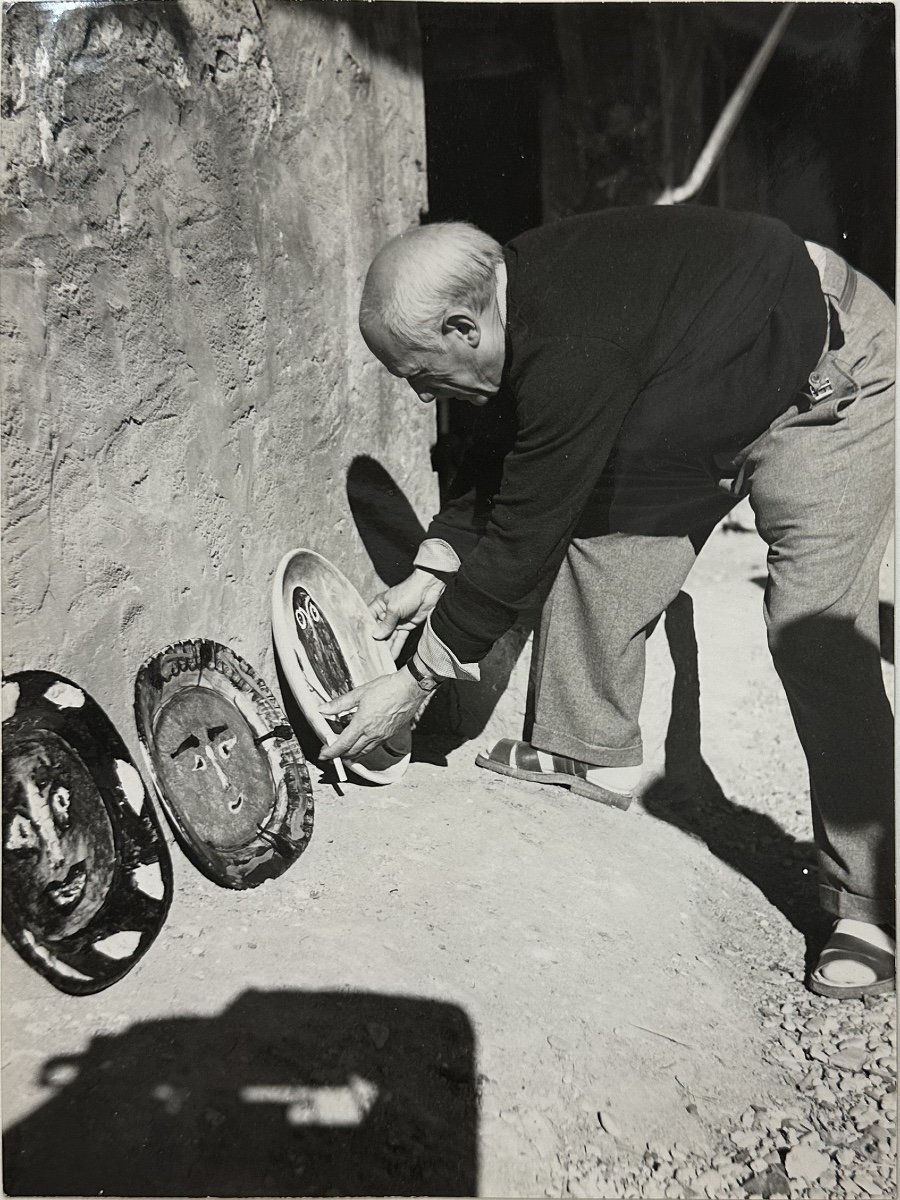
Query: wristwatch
<point x="424" y="681"/>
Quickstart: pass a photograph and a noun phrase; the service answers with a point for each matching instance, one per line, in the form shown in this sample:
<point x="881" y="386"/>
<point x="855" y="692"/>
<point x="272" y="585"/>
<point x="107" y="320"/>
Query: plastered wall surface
<point x="192" y="194"/>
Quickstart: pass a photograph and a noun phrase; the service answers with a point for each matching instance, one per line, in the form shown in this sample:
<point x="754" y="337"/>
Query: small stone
<point x="610" y="1124"/>
<point x="805" y="1163"/>
<point x="869" y="1185"/>
<point x="773" y="1183"/>
<point x="710" y="1182"/>
<point x="845" y="1156"/>
<point x="849" y="1060"/>
<point x="758" y="1166"/>
<point x="795" y="1123"/>
<point x="744" y="1138"/>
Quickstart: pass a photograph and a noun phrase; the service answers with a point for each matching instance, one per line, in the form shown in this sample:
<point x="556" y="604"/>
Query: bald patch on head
<point x="388" y="277"/>
<point x="417" y="277"/>
<point x="387" y="268"/>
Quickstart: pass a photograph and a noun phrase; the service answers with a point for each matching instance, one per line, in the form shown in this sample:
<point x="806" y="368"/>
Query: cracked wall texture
<point x="192" y="193"/>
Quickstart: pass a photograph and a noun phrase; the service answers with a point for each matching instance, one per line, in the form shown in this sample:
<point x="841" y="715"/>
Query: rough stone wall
<point x="192" y="193"/>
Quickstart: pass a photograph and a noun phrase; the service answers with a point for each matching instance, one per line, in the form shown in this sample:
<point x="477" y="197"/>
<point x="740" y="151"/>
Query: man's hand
<point x="405" y="606"/>
<point x="383" y="706"/>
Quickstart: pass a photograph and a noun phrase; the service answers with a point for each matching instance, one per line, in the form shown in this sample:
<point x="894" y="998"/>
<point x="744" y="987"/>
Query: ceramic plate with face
<point x="87" y="880"/>
<point x="324" y="638"/>
<point x="229" y="772"/>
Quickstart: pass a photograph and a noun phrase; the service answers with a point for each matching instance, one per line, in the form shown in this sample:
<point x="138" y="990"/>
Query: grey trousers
<point x="820" y="482"/>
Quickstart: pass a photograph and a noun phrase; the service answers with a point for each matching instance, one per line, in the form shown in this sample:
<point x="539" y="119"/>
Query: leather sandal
<point x="846" y="946"/>
<point x="519" y="760"/>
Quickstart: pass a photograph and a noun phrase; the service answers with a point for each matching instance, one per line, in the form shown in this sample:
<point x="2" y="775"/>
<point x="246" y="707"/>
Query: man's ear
<point x="464" y="324"/>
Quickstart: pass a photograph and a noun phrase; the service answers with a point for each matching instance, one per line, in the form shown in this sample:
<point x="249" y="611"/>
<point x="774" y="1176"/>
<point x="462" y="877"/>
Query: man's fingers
<point x="340" y="705"/>
<point x="385" y="626"/>
<point x="398" y="640"/>
<point x="350" y="744"/>
<point x="384" y="616"/>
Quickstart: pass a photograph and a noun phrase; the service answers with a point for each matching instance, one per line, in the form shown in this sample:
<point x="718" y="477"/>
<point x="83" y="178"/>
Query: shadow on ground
<point x="885" y="621"/>
<point x="282" y="1094"/>
<point x="689" y="797"/>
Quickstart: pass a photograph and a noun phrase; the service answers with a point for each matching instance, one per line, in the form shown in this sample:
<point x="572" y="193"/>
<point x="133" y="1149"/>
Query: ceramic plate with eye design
<point x="324" y="638"/>
<point x="229" y="772"/>
<point x="87" y="879"/>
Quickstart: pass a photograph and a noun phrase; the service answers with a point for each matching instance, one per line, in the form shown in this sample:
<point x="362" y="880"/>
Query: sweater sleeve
<point x="572" y="396"/>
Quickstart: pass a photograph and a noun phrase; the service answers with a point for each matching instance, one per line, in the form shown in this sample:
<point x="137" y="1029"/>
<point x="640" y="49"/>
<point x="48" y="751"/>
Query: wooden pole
<point x="731" y="114"/>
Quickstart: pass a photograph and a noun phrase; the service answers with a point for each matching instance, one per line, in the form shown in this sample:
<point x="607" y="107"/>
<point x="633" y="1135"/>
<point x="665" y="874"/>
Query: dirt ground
<point x="472" y="986"/>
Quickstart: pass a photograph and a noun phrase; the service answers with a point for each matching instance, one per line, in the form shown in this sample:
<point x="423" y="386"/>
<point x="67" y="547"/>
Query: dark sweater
<point x="697" y="324"/>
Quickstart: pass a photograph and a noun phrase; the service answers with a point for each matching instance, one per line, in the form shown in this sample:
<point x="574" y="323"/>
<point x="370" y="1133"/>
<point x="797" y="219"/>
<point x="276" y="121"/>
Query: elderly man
<point x="639" y="371"/>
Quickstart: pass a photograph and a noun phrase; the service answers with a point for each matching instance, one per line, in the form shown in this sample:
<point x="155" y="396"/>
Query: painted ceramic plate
<point x="87" y="879"/>
<point x="230" y="775"/>
<point x="324" y="638"/>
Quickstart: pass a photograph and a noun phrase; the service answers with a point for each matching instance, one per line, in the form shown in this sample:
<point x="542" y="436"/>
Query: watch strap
<point x="425" y="681"/>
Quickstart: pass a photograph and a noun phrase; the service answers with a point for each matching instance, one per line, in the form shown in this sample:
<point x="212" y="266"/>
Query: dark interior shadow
<point x="391" y="533"/>
<point x="885" y="621"/>
<point x="460" y="711"/>
<point x="689" y="797"/>
<point x="281" y="1094"/>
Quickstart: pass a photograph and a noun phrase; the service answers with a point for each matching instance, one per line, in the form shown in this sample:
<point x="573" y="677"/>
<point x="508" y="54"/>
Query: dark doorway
<point x="482" y="67"/>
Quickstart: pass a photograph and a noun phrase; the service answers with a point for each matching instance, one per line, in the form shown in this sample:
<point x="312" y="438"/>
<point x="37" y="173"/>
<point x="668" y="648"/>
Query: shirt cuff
<point x="434" y="554"/>
<point x="440" y="661"/>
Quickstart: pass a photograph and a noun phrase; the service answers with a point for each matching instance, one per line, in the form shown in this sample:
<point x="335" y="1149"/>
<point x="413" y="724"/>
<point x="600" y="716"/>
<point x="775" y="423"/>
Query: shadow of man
<point x="689" y="797"/>
<point x="281" y="1094"/>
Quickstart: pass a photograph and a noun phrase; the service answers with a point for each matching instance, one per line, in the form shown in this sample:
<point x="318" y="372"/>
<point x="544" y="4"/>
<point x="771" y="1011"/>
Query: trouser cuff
<point x="553" y="742"/>
<point x="857" y="908"/>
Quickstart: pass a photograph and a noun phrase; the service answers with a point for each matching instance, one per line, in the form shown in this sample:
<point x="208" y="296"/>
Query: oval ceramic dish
<point x="228" y="770"/>
<point x="324" y="638"/>
<point x="87" y="879"/>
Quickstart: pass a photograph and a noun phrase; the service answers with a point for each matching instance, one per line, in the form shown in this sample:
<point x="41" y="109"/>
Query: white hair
<point x="422" y="273"/>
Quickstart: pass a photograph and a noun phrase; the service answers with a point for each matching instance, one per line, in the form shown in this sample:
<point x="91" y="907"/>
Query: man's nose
<point x="223" y="778"/>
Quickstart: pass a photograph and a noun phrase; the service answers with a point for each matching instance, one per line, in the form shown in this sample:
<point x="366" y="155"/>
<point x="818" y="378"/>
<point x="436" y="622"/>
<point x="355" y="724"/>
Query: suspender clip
<point x="820" y="387"/>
